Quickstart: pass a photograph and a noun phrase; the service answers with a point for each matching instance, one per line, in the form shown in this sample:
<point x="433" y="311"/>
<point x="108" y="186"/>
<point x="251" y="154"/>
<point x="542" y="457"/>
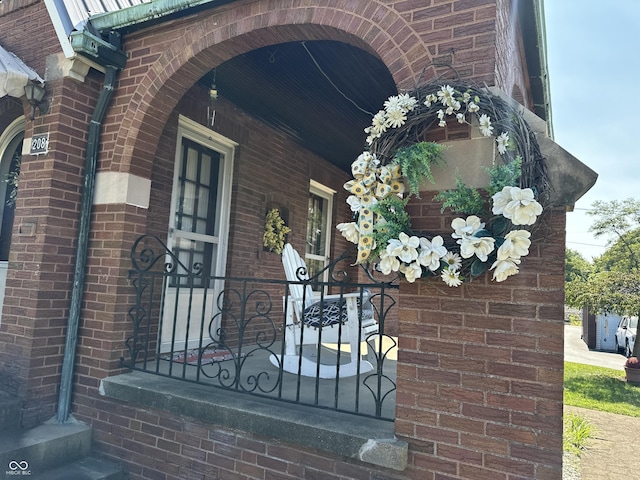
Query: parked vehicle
<point x="626" y="335"/>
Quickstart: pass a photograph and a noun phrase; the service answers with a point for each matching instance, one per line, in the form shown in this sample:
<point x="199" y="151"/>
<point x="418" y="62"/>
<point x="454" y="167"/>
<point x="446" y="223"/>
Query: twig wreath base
<point x="494" y="231"/>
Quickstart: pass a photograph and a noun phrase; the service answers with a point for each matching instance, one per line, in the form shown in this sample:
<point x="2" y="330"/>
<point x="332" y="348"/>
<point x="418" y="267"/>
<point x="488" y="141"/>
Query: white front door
<point x="198" y="233"/>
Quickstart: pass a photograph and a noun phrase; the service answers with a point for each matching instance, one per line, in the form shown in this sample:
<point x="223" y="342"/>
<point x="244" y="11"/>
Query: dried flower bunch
<point x="275" y="231"/>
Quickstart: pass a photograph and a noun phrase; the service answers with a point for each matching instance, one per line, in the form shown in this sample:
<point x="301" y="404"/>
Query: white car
<point x="626" y="335"/>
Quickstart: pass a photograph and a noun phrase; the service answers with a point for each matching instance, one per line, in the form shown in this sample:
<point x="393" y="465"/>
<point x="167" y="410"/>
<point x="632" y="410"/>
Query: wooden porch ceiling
<point x="320" y="93"/>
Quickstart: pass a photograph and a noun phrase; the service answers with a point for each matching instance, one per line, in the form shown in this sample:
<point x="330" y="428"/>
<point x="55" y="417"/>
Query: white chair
<point x="309" y="322"/>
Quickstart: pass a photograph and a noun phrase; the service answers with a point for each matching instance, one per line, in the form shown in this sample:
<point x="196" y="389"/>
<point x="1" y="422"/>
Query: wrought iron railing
<point x="250" y="335"/>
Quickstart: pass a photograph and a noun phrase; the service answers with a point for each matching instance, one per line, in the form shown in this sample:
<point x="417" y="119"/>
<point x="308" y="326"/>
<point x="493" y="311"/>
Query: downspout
<point x="93" y="143"/>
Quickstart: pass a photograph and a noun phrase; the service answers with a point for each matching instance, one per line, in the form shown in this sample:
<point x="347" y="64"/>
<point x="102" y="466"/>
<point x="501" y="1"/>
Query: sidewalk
<point x="612" y="453"/>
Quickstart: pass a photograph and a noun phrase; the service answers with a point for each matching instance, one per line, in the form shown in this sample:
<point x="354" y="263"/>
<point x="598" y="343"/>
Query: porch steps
<point x="50" y="451"/>
<point x="87" y="468"/>
<point x="10" y="409"/>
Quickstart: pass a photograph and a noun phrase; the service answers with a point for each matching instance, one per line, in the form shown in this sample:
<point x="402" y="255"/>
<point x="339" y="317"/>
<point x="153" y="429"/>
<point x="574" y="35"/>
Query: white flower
<point x="516" y="244"/>
<point x="460" y="117"/>
<point x="431" y="98"/>
<point x="453" y="260"/>
<point x="405" y="247"/>
<point x="466" y="228"/>
<point x="406" y="102"/>
<point x="466" y="96"/>
<point x="445" y="94"/>
<point x="451" y="277"/>
<point x="378" y="125"/>
<point x="449" y="111"/>
<point x="396" y="117"/>
<point x="501" y="200"/>
<point x="392" y="102"/>
<point x="442" y="123"/>
<point x="354" y="202"/>
<point x="504" y="269"/>
<point x="350" y="231"/>
<point x="440" y="114"/>
<point x="388" y="263"/>
<point x="523" y="209"/>
<point x="472" y="107"/>
<point x="411" y="272"/>
<point x="502" y="140"/>
<point x="481" y="247"/>
<point x="485" y="125"/>
<point x="431" y="252"/>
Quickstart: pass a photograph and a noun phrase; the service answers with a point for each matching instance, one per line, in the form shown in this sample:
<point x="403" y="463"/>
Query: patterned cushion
<point x="331" y="312"/>
<point x="334" y="312"/>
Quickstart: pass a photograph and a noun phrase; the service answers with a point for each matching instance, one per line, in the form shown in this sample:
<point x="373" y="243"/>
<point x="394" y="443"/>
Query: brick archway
<point x="187" y="55"/>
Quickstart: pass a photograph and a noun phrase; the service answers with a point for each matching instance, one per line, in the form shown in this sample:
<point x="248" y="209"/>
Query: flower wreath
<point x="397" y="160"/>
<point x="275" y="231"/>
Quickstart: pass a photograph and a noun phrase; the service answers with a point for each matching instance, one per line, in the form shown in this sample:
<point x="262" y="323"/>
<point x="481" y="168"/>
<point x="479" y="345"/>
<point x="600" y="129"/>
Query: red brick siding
<point x="481" y="367"/>
<point x="155" y="445"/>
<point x="41" y="264"/>
<point x="511" y="70"/>
<point x="487" y="407"/>
<point x="27" y="31"/>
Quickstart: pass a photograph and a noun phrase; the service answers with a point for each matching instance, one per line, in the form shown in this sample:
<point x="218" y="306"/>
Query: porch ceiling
<point x="321" y="93"/>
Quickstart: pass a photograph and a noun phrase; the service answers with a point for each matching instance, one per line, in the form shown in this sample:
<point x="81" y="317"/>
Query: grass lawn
<point x="598" y="388"/>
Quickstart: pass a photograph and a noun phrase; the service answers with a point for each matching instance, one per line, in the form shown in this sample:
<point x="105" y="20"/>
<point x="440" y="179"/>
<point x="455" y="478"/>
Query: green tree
<point x="577" y="267"/>
<point x="622" y="255"/>
<point x="617" y="220"/>
<point x="613" y="285"/>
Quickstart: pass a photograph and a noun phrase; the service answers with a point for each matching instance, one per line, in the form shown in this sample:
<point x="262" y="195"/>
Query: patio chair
<point x="338" y="319"/>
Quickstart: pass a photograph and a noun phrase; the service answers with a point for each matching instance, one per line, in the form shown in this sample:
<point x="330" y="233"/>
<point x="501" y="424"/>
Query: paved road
<point x="575" y="350"/>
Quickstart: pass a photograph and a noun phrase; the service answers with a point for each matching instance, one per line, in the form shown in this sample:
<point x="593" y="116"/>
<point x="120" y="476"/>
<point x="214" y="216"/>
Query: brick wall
<point x="43" y="248"/>
<point x="157" y="445"/>
<point x="486" y="406"/>
<point x="27" y="31"/>
<point x="511" y="72"/>
<point x="480" y="367"/>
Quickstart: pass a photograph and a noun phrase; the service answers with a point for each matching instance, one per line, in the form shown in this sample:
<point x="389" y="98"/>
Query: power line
<point x="587" y="244"/>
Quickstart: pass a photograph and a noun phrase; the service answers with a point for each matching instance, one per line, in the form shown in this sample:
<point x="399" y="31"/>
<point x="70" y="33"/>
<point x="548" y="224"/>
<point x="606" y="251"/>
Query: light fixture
<point x="35" y="93"/>
<point x="213" y="96"/>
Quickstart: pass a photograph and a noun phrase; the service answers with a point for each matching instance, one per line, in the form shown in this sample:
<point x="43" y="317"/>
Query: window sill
<point x="365" y="439"/>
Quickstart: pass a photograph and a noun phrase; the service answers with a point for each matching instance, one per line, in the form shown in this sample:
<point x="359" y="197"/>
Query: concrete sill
<point x="368" y="440"/>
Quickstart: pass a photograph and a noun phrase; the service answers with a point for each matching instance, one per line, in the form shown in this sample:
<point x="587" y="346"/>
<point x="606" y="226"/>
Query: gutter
<point x="544" y="65"/>
<point x="88" y="190"/>
<point x="146" y="14"/>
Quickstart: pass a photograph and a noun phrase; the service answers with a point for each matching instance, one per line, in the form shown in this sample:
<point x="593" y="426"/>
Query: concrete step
<point x="10" y="411"/>
<point x="88" y="468"/>
<point x="44" y="447"/>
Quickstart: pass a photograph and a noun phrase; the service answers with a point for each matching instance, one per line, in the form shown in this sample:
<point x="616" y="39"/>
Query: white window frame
<point x="317" y="188"/>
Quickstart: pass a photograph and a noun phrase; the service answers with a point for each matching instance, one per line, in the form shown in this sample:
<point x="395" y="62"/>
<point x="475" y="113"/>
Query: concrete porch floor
<point x="370" y="394"/>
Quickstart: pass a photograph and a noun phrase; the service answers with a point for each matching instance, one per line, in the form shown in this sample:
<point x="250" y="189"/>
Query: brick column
<point x="480" y="367"/>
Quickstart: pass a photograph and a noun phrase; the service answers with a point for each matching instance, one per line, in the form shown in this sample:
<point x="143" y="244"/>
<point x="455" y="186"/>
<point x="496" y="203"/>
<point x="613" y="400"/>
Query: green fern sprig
<point x="393" y="219"/>
<point x="462" y="199"/>
<point x="504" y="175"/>
<point x="415" y="163"/>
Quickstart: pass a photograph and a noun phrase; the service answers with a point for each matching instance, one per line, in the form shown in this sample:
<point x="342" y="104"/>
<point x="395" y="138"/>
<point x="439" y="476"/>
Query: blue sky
<point x="593" y="50"/>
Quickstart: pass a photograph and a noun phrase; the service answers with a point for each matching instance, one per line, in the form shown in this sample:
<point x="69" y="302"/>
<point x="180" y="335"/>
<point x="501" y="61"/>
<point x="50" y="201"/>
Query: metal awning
<point x="14" y="75"/>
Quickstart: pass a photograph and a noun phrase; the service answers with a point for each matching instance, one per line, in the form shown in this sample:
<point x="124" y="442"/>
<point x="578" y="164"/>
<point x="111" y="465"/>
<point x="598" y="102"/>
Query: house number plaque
<point x="39" y="144"/>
